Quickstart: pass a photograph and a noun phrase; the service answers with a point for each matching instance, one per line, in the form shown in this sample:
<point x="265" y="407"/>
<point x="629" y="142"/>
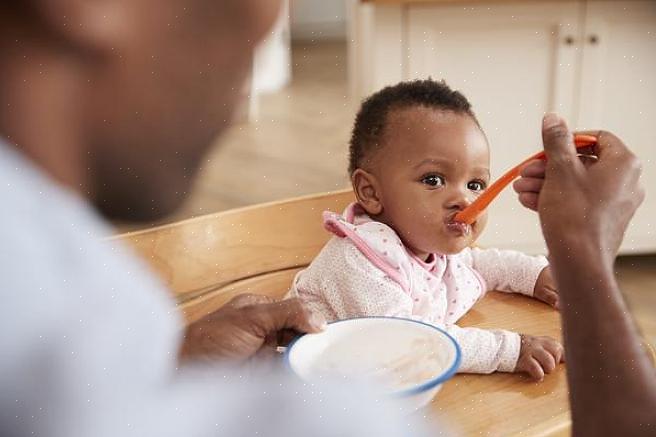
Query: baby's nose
<point x="459" y="201"/>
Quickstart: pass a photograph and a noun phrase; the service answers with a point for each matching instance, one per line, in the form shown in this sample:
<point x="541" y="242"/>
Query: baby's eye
<point x="476" y="185"/>
<point x="433" y="180"/>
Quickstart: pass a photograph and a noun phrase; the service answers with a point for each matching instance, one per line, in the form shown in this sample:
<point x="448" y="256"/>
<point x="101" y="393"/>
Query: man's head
<point x="151" y="84"/>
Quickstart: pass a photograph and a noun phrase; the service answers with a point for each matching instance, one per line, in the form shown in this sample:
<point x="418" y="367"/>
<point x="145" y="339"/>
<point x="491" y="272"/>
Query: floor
<point x="299" y="146"/>
<point x="637" y="278"/>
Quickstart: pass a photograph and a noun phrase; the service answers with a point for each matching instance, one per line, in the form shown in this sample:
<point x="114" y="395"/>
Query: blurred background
<point x="592" y="61"/>
<point x="291" y="136"/>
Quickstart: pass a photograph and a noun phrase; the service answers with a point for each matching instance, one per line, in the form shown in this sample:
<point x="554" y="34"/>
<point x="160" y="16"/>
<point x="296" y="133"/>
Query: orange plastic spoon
<point x="471" y="213"/>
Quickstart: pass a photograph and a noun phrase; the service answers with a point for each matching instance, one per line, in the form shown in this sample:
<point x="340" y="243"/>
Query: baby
<point x="417" y="157"/>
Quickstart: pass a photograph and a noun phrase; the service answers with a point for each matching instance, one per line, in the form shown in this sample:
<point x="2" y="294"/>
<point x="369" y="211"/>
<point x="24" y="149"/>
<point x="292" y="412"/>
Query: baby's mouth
<point x="455" y="227"/>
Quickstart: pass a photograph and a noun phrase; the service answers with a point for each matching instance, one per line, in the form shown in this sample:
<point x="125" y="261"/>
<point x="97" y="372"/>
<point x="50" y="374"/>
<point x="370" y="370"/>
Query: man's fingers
<point x="606" y="142"/>
<point x="244" y="300"/>
<point x="529" y="200"/>
<point x="528" y="184"/>
<point x="615" y="156"/>
<point x="287" y="314"/>
<point x="611" y="151"/>
<point x="286" y="336"/>
<point x="534" y="169"/>
<point x="558" y="142"/>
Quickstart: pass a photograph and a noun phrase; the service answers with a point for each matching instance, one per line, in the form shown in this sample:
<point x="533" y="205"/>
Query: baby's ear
<point x="367" y="191"/>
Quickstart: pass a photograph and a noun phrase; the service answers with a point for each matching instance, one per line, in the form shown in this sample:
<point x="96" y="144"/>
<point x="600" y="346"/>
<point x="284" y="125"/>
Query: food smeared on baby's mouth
<point x="458" y="227"/>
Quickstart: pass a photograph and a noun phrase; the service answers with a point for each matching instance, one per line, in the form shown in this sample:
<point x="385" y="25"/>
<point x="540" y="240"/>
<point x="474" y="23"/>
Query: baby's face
<point x="432" y="165"/>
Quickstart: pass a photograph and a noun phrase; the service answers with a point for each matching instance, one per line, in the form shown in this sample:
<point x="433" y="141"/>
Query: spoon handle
<point x="471" y="213"/>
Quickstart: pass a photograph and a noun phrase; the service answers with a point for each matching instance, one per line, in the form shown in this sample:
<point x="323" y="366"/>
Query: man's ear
<point x="98" y="25"/>
<point x="367" y="191"/>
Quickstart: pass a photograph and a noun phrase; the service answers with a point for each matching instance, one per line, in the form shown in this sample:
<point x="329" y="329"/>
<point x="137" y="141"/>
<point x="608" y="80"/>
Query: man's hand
<point x="245" y="326"/>
<point x="545" y="288"/>
<point x="582" y="207"/>
<point x="539" y="355"/>
<point x="584" y="211"/>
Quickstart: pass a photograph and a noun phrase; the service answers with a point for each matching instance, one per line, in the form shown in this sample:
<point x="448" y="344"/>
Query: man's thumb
<point x="558" y="140"/>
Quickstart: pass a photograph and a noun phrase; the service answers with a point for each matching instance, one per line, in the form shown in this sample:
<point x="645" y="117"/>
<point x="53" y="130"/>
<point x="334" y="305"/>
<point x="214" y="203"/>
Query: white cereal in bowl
<point x="400" y="357"/>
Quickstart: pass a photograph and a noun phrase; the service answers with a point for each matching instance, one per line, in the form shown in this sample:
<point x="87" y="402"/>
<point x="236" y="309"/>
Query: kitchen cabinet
<point x="591" y="61"/>
<point x="618" y="93"/>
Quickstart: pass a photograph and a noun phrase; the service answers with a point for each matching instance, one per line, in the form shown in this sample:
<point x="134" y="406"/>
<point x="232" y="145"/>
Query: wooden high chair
<point x="208" y="260"/>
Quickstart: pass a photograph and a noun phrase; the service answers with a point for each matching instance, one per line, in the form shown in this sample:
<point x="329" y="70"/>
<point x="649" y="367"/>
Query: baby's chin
<point x="453" y="245"/>
<point x="452" y="249"/>
<point x="444" y="243"/>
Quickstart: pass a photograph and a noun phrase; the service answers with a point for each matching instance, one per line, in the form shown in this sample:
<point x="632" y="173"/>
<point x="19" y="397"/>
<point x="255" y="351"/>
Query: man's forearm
<point x="608" y="371"/>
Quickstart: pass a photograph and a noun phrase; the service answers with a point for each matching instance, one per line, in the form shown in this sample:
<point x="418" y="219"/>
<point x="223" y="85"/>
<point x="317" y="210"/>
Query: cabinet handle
<point x="569" y="40"/>
<point x="593" y="39"/>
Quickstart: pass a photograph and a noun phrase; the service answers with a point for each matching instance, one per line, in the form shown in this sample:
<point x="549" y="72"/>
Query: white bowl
<point x="406" y="360"/>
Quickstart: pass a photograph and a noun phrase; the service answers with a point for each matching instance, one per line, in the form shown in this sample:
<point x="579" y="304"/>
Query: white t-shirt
<point x="89" y="340"/>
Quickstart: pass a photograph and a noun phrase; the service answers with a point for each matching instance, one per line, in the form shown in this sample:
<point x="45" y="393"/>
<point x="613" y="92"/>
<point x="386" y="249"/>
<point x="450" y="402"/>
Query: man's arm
<point x="584" y="211"/>
<point x="507" y="270"/>
<point x="612" y="382"/>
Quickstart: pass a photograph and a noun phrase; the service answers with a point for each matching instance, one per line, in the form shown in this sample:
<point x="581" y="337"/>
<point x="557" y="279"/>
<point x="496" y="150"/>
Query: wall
<point x="318" y="19"/>
<point x="272" y="64"/>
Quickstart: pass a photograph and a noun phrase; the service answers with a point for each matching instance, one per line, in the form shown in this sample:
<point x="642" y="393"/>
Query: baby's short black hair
<point x="369" y="126"/>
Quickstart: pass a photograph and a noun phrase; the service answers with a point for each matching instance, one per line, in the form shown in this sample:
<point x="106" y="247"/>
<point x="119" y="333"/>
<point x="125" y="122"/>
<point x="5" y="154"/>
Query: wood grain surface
<point x="209" y="259"/>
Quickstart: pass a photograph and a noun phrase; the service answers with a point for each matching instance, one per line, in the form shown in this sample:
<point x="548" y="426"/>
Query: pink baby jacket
<point x="365" y="270"/>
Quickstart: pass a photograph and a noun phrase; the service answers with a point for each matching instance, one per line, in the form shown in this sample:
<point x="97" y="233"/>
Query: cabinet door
<point x="618" y="93"/>
<point x="514" y="61"/>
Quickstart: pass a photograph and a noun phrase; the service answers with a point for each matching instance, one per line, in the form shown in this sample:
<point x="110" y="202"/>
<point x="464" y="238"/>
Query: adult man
<point x="109" y="106"/>
<point x="584" y="213"/>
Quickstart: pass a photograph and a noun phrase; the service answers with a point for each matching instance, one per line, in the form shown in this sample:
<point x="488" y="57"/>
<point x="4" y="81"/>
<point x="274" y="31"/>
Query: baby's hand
<point x="545" y="288"/>
<point x="539" y="355"/>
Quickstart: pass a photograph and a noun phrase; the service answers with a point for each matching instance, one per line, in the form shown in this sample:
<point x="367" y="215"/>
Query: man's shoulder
<point x="52" y="247"/>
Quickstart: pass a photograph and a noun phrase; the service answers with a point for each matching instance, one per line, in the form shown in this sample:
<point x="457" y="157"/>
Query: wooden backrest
<point x="207" y="260"/>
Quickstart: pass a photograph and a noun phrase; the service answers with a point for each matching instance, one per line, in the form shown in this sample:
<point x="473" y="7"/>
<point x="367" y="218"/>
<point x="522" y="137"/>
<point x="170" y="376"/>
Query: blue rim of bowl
<point x="446" y="375"/>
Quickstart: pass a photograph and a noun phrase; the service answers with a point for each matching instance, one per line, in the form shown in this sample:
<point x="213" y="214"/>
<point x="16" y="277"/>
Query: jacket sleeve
<point x="486" y="351"/>
<point x="506" y="270"/>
